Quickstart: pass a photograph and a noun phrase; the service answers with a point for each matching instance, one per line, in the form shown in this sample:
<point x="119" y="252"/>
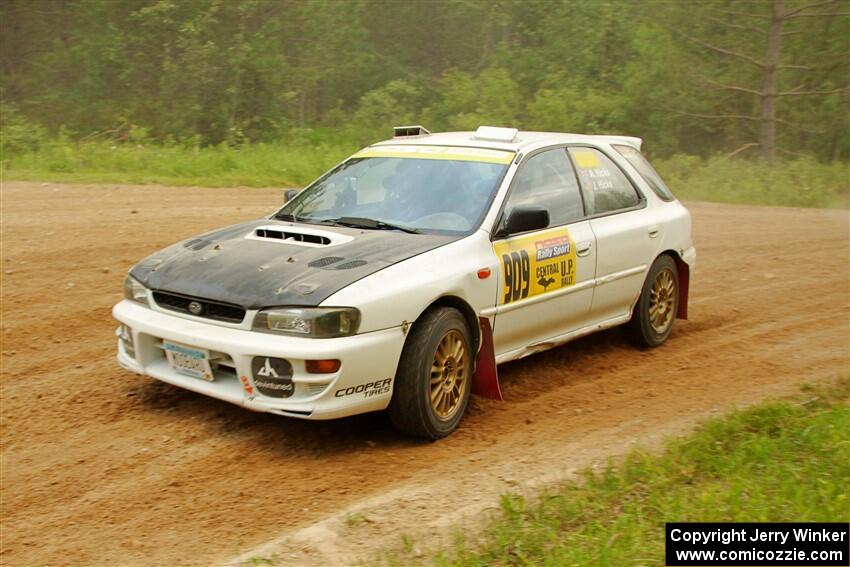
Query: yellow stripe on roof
<point x="438" y="152"/>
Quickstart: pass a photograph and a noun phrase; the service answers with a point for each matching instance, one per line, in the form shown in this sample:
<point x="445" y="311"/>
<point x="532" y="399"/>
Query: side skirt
<point x="560" y="339"/>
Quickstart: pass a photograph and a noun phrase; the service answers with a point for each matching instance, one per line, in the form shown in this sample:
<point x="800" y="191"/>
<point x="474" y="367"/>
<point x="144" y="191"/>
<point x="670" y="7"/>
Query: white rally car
<point x="402" y="277"/>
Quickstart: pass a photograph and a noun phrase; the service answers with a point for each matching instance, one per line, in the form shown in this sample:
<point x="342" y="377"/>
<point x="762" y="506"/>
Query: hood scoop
<point x="298" y="235"/>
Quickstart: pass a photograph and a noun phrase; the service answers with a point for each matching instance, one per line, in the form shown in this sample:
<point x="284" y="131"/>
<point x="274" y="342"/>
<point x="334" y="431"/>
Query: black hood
<point x="232" y="265"/>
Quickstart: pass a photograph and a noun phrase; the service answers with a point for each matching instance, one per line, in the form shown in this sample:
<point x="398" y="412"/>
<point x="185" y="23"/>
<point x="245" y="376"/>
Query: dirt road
<point x="103" y="467"/>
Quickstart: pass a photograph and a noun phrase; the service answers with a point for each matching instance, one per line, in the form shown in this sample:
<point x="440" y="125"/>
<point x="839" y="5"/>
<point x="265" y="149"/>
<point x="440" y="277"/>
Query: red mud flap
<point x="486" y="380"/>
<point x="684" y="285"/>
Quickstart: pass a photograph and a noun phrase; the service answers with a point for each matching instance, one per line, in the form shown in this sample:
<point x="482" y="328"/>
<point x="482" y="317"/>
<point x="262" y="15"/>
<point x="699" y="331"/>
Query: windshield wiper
<point x="362" y="222"/>
<point x="289" y="217"/>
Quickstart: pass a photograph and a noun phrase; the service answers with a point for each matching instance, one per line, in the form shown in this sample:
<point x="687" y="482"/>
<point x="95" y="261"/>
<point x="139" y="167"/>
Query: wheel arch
<point x="485" y="378"/>
<point x="465" y="309"/>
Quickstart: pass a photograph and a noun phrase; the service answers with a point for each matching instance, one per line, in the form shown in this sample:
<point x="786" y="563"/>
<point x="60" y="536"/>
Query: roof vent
<point x="407" y="131"/>
<point x="494" y="134"/>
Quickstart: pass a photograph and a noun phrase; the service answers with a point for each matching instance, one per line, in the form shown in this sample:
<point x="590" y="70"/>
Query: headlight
<point x="135" y="291"/>
<point x="316" y="322"/>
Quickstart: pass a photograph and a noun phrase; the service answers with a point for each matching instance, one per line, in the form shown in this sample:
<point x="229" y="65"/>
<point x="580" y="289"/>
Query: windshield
<point x="418" y="189"/>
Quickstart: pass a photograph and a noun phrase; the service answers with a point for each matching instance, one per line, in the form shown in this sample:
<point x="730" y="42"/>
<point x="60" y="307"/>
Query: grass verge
<point x="801" y="182"/>
<point x="775" y="462"/>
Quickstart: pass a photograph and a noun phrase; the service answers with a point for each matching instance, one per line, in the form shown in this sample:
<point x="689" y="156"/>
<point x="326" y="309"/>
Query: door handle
<point x="654" y="231"/>
<point x="583" y="248"/>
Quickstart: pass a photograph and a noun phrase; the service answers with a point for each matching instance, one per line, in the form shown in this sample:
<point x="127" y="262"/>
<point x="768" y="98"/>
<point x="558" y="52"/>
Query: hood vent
<point x="196" y="244"/>
<point x="302" y="236"/>
<point x="333" y="263"/>
<point x="325" y="262"/>
<point x="350" y="265"/>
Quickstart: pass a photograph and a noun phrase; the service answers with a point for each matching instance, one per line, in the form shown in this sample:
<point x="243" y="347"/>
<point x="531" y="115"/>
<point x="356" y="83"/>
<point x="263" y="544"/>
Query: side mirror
<point x="289" y="194"/>
<point x="524" y="218"/>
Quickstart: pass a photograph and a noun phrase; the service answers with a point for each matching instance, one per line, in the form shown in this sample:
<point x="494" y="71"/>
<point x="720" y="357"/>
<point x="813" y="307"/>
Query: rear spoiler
<point x="627" y="140"/>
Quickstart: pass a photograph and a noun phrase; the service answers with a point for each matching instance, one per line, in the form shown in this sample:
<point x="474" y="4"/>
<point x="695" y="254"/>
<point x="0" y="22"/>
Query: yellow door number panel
<point x="536" y="264"/>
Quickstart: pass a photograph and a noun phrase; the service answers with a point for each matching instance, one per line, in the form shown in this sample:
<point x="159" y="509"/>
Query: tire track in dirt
<point x="102" y="467"/>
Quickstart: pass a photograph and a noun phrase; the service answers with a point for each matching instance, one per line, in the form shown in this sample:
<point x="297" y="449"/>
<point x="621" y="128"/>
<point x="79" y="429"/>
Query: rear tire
<point x="434" y="377"/>
<point x="655" y="312"/>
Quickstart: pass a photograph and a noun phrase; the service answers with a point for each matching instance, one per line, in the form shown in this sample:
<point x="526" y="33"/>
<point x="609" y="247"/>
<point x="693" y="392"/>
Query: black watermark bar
<point x="694" y="544"/>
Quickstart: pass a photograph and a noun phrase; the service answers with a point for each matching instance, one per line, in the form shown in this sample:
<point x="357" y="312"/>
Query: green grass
<point x="257" y="165"/>
<point x="802" y="182"/>
<point x="799" y="182"/>
<point x="779" y="461"/>
<point x="355" y="519"/>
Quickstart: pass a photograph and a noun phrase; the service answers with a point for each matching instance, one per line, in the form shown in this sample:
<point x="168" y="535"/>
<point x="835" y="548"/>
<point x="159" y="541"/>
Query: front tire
<point x="434" y="377"/>
<point x="655" y="312"/>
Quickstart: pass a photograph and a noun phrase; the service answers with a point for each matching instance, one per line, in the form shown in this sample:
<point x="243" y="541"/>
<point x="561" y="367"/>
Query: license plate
<point x="189" y="361"/>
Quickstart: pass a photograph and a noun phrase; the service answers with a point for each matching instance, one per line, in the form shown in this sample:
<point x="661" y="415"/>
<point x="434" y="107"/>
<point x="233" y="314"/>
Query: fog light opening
<point x="328" y="366"/>
<point x="126" y="335"/>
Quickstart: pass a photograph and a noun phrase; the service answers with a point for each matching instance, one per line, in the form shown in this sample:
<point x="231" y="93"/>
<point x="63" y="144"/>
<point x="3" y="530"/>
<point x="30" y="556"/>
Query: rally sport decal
<point x="537" y="264"/>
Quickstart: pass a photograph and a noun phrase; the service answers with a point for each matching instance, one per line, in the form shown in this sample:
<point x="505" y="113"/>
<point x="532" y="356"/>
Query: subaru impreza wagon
<point x="402" y="277"/>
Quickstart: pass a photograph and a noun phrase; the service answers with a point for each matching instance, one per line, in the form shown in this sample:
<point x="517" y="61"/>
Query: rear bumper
<point x="362" y="384"/>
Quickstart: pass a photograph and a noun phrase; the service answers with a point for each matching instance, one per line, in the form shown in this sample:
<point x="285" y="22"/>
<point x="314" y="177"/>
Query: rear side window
<point x="604" y="186"/>
<point x="640" y="163"/>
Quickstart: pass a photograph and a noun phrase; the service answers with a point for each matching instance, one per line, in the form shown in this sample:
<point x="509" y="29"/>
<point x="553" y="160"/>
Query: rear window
<point x="640" y="163"/>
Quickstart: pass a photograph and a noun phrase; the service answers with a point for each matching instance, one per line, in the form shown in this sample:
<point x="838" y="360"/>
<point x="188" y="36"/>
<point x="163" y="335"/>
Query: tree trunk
<point x="767" y="137"/>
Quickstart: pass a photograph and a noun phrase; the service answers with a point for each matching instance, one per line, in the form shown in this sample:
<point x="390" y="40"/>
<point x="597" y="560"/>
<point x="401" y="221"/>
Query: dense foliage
<point x="688" y="77"/>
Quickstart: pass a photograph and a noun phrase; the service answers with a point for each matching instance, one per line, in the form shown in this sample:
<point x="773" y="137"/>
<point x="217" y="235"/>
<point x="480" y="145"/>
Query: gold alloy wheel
<point x="449" y="375"/>
<point x="662" y="296"/>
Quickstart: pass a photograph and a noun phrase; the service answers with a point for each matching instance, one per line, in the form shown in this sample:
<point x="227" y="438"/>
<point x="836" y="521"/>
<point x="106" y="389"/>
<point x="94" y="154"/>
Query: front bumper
<point x="362" y="384"/>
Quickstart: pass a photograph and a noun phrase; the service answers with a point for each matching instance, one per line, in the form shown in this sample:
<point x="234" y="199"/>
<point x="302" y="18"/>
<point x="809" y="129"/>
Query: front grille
<point x="209" y="309"/>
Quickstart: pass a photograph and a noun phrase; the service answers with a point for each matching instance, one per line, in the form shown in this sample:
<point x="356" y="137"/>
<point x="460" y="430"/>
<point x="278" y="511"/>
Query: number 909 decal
<point x="537" y="264"/>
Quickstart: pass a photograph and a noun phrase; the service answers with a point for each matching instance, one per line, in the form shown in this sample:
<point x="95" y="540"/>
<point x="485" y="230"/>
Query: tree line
<point x="755" y="77"/>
